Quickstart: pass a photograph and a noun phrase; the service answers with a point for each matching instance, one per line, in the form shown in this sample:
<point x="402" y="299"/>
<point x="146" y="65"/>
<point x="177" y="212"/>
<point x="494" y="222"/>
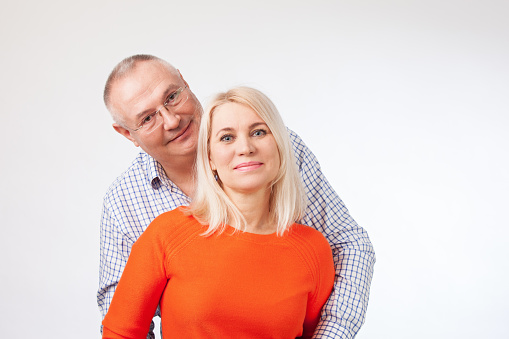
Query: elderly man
<point x="139" y="94"/>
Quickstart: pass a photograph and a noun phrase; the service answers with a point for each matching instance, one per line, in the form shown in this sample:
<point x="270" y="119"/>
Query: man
<point x="153" y="106"/>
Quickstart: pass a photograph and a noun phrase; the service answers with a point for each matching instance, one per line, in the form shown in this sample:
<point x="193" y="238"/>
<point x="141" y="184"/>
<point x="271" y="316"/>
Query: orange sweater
<point x="240" y="285"/>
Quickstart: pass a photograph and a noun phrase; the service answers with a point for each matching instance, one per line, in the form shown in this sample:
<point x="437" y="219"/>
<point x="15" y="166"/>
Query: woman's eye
<point x="226" y="138"/>
<point x="259" y="132"/>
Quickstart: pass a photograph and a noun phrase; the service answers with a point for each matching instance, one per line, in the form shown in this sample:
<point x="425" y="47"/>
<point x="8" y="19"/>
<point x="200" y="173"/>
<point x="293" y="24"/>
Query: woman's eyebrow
<point x="253" y="125"/>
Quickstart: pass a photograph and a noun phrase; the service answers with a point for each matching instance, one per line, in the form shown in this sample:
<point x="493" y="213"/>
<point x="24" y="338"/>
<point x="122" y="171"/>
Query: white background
<point x="405" y="103"/>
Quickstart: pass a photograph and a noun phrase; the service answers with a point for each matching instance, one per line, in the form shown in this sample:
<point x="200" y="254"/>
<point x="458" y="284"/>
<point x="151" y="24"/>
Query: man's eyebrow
<point x="169" y="89"/>
<point x="253" y="125"/>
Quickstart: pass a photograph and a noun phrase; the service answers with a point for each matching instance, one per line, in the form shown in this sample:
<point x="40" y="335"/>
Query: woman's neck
<point x="255" y="209"/>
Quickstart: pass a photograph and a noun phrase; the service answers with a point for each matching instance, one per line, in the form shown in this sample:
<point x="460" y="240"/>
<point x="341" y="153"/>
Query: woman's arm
<point x="139" y="289"/>
<point x="323" y="276"/>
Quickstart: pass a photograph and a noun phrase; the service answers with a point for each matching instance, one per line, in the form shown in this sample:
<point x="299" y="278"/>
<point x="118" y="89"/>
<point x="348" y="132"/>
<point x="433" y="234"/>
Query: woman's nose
<point x="245" y="146"/>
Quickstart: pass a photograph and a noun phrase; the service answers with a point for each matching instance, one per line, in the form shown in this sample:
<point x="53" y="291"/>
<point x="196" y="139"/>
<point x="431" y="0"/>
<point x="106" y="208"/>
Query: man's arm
<point x="354" y="257"/>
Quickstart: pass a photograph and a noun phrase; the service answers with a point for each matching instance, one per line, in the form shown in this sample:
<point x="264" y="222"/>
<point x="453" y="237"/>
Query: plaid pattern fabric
<point x="143" y="192"/>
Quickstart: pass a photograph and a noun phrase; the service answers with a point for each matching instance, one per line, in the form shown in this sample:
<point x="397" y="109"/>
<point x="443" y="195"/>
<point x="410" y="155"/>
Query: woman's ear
<point x="212" y="166"/>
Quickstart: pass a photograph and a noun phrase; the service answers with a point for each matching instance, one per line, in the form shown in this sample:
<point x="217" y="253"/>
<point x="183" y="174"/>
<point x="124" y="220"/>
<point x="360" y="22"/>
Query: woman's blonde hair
<point x="211" y="205"/>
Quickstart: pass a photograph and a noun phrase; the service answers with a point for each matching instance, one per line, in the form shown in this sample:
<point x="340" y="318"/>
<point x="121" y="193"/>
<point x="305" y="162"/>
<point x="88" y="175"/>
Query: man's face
<point x="143" y="92"/>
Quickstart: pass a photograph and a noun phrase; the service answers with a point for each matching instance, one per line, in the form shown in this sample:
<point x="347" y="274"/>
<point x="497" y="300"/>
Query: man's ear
<point x="126" y="133"/>
<point x="181" y="77"/>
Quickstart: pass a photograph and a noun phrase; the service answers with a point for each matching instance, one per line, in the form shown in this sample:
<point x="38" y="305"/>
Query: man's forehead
<point x="146" y="79"/>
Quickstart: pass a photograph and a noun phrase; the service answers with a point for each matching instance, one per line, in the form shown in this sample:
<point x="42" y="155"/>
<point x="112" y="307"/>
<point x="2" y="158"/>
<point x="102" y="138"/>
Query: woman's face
<point x="243" y="150"/>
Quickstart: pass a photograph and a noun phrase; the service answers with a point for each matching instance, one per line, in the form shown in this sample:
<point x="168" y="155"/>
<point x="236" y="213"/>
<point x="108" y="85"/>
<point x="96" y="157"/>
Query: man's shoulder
<point x="299" y="146"/>
<point x="134" y="177"/>
<point x="303" y="155"/>
<point x="294" y="137"/>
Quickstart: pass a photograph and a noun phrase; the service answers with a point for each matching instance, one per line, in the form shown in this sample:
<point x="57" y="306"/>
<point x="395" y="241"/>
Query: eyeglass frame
<point x="165" y="103"/>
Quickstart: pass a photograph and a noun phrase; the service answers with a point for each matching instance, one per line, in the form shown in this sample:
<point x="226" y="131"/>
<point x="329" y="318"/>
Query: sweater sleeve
<point x="323" y="272"/>
<point x="140" y="287"/>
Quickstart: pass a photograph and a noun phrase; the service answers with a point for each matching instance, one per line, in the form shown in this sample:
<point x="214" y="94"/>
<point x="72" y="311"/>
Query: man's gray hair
<point x="121" y="70"/>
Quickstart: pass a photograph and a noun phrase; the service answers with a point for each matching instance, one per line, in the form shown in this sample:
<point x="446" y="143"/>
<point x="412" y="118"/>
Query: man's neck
<point x="181" y="173"/>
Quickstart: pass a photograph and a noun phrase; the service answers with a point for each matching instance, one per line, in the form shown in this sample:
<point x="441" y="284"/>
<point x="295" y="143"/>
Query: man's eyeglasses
<point x="173" y="102"/>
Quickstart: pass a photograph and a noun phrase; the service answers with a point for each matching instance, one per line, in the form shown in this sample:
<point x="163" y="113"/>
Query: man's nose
<point x="171" y="120"/>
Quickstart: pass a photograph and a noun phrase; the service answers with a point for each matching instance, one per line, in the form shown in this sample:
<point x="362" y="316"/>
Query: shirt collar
<point x="157" y="176"/>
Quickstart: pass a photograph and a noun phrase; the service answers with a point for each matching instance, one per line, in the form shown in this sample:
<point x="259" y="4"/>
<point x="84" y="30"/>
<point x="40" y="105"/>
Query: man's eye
<point x="171" y="98"/>
<point x="148" y="118"/>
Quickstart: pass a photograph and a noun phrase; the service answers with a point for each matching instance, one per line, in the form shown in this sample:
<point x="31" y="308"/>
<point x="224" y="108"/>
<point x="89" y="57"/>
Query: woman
<point x="233" y="264"/>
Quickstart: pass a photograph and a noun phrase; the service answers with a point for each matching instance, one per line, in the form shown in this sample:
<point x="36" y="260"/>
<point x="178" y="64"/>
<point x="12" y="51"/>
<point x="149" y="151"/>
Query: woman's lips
<point x="248" y="166"/>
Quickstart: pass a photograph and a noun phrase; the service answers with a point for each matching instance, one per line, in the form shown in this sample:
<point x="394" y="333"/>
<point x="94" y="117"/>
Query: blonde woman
<point x="234" y="264"/>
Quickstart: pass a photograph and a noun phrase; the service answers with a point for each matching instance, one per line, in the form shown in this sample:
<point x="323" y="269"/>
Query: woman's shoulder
<point x="309" y="238"/>
<point x="177" y="215"/>
<point x="314" y="249"/>
<point x="308" y="233"/>
<point x="173" y="223"/>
